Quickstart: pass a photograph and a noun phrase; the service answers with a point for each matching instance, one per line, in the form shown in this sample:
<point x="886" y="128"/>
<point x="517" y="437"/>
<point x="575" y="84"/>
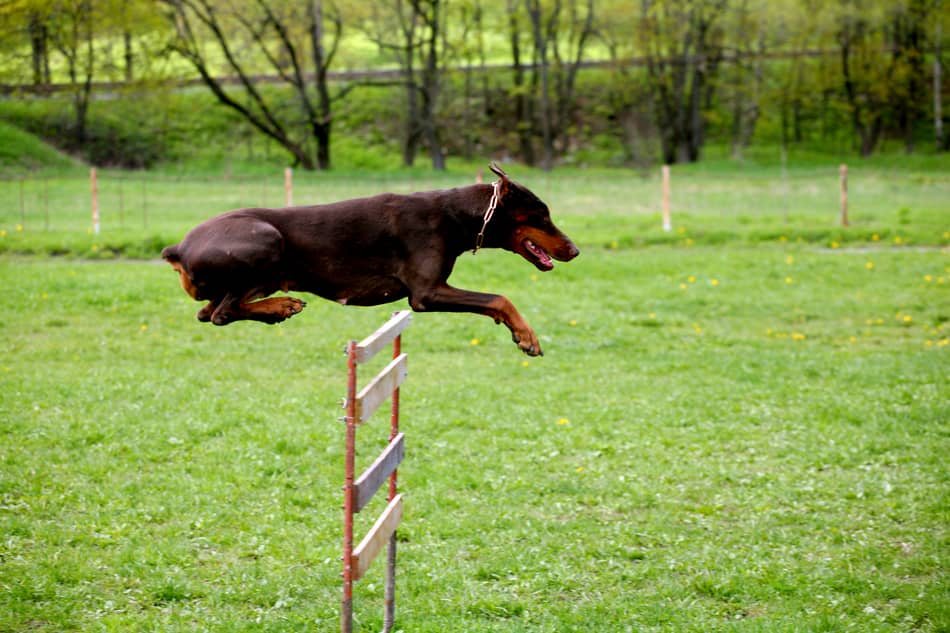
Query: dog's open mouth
<point x="538" y="256"/>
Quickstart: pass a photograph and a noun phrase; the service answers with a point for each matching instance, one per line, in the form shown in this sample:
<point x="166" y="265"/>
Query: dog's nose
<point x="569" y="252"/>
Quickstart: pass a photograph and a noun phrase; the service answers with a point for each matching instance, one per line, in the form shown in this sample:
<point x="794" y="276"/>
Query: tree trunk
<point x="540" y="44"/>
<point x="525" y="124"/>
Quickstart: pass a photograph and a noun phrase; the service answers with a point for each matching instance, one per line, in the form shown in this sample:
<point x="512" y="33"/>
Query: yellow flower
<point x="834" y="245"/>
<point x="143" y="327"/>
<point x="689" y="241"/>
<point x="713" y="282"/>
<point x="946" y="235"/>
<point x="852" y="339"/>
<point x="44" y="296"/>
<point x="681" y="230"/>
<point x="683" y="286"/>
<point x="614" y="245"/>
<point x="572" y="322"/>
<point x="797" y="336"/>
<point x="579" y="469"/>
<point x="907" y="318"/>
<point x="3" y="232"/>
<point x="869" y="265"/>
<point x="875" y="237"/>
<point x="943" y="342"/>
<point x="897" y="239"/>
<point x="928" y="278"/>
<point x="789" y="259"/>
<point x="19" y="227"/>
<point x="653" y="315"/>
<point x="534" y="277"/>
<point x="474" y="341"/>
<point x="691" y="279"/>
<point x="563" y="421"/>
<point x="789" y="280"/>
<point x="782" y="239"/>
<point x="524" y="363"/>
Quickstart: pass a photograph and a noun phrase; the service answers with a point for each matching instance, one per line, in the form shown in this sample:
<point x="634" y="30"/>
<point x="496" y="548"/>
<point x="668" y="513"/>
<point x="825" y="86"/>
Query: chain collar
<point x="492" y="205"/>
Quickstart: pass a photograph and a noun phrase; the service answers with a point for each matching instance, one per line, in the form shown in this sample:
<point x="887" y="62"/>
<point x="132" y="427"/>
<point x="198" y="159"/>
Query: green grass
<point x="728" y="432"/>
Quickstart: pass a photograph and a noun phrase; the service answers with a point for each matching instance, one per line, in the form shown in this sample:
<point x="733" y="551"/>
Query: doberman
<point x="367" y="251"/>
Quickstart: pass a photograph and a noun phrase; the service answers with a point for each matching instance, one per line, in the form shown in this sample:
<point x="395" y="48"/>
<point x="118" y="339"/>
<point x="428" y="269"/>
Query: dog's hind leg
<point x="244" y="308"/>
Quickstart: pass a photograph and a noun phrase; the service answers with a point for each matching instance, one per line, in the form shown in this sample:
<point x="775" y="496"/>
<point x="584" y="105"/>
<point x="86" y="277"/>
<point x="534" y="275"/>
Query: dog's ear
<point x="505" y="183"/>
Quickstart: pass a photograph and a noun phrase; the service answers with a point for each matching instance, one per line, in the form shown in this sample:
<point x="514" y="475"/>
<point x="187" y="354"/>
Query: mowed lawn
<point x="725" y="435"/>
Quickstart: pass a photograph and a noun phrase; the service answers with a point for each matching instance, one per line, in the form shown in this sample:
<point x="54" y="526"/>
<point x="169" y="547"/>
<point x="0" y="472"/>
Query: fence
<point x="144" y="201"/>
<point x="358" y="492"/>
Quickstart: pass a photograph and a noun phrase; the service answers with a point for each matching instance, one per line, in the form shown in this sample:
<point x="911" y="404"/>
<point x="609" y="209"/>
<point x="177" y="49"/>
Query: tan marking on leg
<point x="185" y="280"/>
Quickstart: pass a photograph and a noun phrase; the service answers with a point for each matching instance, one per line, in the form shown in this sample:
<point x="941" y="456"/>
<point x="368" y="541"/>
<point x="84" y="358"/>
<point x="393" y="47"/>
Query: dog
<point x="367" y="251"/>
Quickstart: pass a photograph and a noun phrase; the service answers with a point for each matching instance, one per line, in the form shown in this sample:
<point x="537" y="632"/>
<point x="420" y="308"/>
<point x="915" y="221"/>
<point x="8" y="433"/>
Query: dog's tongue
<point x="543" y="258"/>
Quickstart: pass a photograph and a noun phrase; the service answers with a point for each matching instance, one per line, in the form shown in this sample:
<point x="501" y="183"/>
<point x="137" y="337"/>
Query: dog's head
<point x="523" y="225"/>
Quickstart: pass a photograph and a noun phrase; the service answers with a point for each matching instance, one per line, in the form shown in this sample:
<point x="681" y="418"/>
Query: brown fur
<point x="366" y="251"/>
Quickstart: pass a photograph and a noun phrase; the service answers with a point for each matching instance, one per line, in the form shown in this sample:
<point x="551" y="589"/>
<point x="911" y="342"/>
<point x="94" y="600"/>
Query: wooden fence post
<point x="844" y="194"/>
<point x="288" y="187"/>
<point x="667" y="224"/>
<point x="94" y="182"/>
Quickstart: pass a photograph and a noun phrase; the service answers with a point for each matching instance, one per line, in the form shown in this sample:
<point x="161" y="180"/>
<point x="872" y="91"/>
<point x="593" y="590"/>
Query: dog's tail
<point x="170" y="254"/>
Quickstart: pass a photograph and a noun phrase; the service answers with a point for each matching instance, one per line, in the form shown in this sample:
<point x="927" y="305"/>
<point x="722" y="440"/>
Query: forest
<point x="542" y="82"/>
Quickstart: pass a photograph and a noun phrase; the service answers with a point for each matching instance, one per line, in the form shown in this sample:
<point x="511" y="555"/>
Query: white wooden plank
<point x="374" y="476"/>
<point x="378" y="535"/>
<point x="369" y="346"/>
<point x="380" y="388"/>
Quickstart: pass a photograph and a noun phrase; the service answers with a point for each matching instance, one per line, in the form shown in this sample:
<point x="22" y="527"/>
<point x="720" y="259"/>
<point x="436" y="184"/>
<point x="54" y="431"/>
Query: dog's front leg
<point x="445" y="298"/>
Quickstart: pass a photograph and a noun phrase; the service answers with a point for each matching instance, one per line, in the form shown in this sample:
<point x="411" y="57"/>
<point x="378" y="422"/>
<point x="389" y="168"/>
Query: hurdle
<point x="356" y="494"/>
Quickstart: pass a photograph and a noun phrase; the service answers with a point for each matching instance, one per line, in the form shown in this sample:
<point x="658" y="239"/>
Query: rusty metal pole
<point x="346" y="611"/>
<point x="389" y="614"/>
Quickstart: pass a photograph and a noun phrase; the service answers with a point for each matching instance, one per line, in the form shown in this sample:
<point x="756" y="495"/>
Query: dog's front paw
<point x="527" y="342"/>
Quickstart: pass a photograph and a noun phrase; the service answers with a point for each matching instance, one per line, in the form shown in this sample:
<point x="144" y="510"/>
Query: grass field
<point x="742" y="426"/>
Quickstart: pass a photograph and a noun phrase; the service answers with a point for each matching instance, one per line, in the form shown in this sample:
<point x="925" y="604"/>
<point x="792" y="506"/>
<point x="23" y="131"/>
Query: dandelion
<point x="782" y="239"/>
<point x="524" y="363"/>
<point x="563" y="421"/>
<point x="789" y="280"/>
<point x="572" y="322"/>
<point x="691" y="279"/>
<point x="898" y="239"/>
<point x="615" y="245"/>
<point x="653" y="315"/>
<point x="713" y="282"/>
<point x="875" y="238"/>
<point x="907" y="318"/>
<point x="19" y="228"/>
<point x="683" y="286"/>
<point x="798" y="336"/>
<point x="474" y="341"/>
<point x="44" y="296"/>
<point x="95" y="248"/>
<point x="3" y="232"/>
<point x="928" y="278"/>
<point x="869" y="265"/>
<point x="943" y="342"/>
<point x="852" y="339"/>
<point x="769" y="332"/>
<point x="689" y="241"/>
<point x="946" y="235"/>
<point x="579" y="469"/>
<point x="834" y="245"/>
<point x="143" y="327"/>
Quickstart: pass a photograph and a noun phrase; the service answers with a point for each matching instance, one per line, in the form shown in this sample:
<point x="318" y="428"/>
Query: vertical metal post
<point x="389" y="614"/>
<point x="346" y="613"/>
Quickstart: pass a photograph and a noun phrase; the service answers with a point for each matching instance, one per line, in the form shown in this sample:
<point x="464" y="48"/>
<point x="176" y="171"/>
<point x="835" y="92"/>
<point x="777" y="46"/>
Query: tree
<point x="682" y="44"/>
<point x="72" y="34"/>
<point x="280" y="33"/>
<point x="417" y="25"/>
<point x="562" y="33"/>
